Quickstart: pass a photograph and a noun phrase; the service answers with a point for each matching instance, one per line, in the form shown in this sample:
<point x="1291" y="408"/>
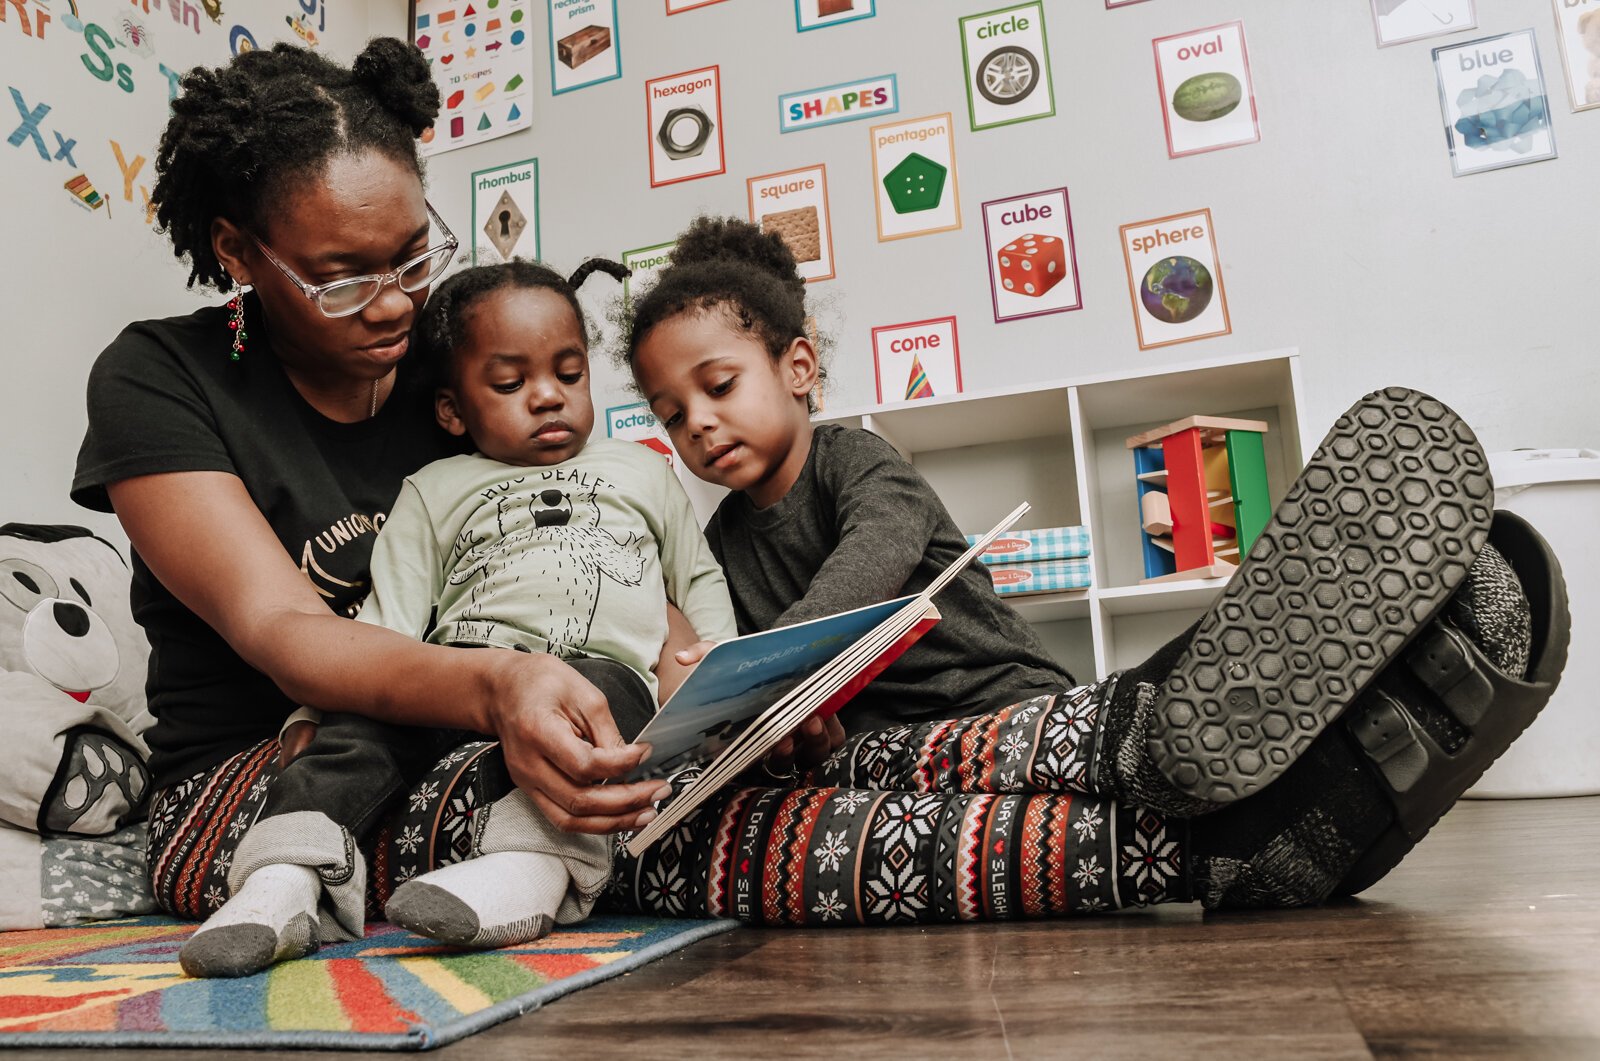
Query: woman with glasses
<point x="251" y="452"/>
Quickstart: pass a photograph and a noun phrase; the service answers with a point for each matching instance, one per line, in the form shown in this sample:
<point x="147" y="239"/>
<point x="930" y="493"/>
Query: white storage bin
<point x="1558" y="491"/>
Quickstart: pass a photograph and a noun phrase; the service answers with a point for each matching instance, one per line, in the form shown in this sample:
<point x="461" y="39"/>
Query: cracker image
<point x="575" y="49"/>
<point x="800" y="229"/>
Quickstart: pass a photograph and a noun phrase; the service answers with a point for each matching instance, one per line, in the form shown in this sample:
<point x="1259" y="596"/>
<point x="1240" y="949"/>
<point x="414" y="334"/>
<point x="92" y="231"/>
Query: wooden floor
<point x="1485" y="943"/>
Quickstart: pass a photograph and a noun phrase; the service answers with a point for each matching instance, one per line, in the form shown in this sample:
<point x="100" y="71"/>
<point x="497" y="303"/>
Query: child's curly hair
<point x="443" y="324"/>
<point x="731" y="266"/>
<point x="240" y="134"/>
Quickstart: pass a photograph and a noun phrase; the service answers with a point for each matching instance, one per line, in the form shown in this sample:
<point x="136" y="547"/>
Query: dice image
<point x="1031" y="265"/>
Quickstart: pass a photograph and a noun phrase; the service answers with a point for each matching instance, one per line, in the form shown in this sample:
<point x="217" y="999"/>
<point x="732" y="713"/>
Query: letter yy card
<point x="914" y="169"/>
<point x="1175" y="278"/>
<point x="683" y="113"/>
<point x="1033" y="268"/>
<point x="1207" y="100"/>
<point x="1495" y="110"/>
<point x="794" y="204"/>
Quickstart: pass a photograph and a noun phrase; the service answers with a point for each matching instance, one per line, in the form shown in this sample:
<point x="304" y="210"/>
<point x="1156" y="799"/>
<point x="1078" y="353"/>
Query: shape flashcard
<point x="636" y="423"/>
<point x="794" y="204"/>
<point x="684" y="115"/>
<point x="505" y="213"/>
<point x="1175" y="279"/>
<point x="1008" y="66"/>
<point x="814" y="14"/>
<point x="1495" y="110"/>
<point x="1399" y="21"/>
<point x="921" y="359"/>
<point x="645" y="263"/>
<point x="1207" y="100"/>
<point x="481" y="57"/>
<point x="914" y="170"/>
<point x="585" y="45"/>
<point x="1578" y="30"/>
<point x="1033" y="268"/>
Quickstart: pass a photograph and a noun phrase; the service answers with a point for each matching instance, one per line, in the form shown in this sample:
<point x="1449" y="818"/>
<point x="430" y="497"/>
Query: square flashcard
<point x="684" y="115"/>
<point x="814" y="14"/>
<point x="505" y="213"/>
<point x="921" y="359"/>
<point x="1175" y="279"/>
<point x="585" y="44"/>
<point x="1578" y="30"/>
<point x="794" y="204"/>
<point x="1207" y="100"/>
<point x="636" y="423"/>
<point x="914" y="171"/>
<point x="1399" y="21"/>
<point x="678" y="7"/>
<point x="1008" y="66"/>
<point x="1033" y="267"/>
<point x="1495" y="110"/>
<point x="481" y="58"/>
<point x="645" y="263"/>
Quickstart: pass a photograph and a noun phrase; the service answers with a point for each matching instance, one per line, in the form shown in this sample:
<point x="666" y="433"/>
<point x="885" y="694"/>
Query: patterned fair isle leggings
<point x="976" y="819"/>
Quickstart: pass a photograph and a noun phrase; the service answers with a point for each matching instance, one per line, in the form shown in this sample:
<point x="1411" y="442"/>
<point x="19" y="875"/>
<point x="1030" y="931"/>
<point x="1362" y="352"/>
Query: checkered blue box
<point x="1043" y="576"/>
<point x="1026" y="546"/>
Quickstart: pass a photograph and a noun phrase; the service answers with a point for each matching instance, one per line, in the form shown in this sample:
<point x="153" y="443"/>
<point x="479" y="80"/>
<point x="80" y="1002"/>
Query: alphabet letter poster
<point x="1175" y="279"/>
<point x="794" y="204"/>
<point x="914" y="170"/>
<point x="1207" y="100"/>
<point x="684" y="115"/>
<point x="1495" y="110"/>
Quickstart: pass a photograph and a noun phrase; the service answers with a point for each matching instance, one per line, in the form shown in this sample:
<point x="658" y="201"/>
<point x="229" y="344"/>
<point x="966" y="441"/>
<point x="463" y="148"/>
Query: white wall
<point x="1342" y="232"/>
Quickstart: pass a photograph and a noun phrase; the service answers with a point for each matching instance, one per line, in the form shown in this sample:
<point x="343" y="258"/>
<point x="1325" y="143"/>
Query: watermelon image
<point x="1207" y="97"/>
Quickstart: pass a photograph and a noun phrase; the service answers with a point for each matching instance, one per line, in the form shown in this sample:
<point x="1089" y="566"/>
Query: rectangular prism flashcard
<point x="1578" y="31"/>
<point x="481" y="59"/>
<point x="1007" y="61"/>
<point x="684" y="116"/>
<point x="1175" y="279"/>
<point x="505" y="213"/>
<point x="1493" y="97"/>
<point x="645" y="263"/>
<point x="920" y="359"/>
<point x="636" y="423"/>
<point x="1033" y="267"/>
<point x="815" y="14"/>
<point x="585" y="44"/>
<point x="1207" y="100"/>
<point x="1399" y="21"/>
<point x="870" y="97"/>
<point x="794" y="204"/>
<point x="914" y="171"/>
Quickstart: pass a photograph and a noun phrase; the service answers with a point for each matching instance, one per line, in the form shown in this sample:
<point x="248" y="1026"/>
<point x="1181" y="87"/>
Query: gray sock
<point x="271" y="918"/>
<point x="493" y="900"/>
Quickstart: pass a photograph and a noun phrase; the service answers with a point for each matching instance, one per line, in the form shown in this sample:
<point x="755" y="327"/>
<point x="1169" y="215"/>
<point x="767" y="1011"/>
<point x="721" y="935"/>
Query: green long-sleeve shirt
<point x="574" y="559"/>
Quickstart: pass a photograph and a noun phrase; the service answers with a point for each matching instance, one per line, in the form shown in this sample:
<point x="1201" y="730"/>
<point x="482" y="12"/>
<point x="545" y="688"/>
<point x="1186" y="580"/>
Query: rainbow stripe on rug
<point x="117" y="983"/>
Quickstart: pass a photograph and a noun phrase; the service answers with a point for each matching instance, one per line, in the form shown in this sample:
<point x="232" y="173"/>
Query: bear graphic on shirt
<point x="549" y="534"/>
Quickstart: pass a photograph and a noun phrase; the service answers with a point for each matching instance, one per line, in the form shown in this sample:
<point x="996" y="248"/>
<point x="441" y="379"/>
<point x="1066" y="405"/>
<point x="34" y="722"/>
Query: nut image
<point x="674" y="133"/>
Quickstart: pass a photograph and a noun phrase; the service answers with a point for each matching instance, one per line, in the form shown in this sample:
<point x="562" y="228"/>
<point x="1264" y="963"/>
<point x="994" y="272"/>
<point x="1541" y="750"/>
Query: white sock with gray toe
<point x="272" y="918"/>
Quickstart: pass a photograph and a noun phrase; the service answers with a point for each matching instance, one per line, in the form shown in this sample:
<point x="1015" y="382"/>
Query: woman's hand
<point x="671" y="675"/>
<point x="561" y="745"/>
<point x="296" y="737"/>
<point x="813" y="741"/>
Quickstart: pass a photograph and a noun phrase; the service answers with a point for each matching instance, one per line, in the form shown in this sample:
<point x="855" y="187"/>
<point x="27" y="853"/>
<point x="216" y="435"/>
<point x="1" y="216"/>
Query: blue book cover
<point x="739" y="679"/>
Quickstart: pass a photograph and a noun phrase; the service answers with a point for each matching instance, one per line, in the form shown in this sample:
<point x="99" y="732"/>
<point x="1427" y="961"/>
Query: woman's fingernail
<point x="660" y="794"/>
<point x="645" y="818"/>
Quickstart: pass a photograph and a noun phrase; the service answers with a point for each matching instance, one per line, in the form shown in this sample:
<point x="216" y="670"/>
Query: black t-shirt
<point x="859" y="526"/>
<point x="165" y="397"/>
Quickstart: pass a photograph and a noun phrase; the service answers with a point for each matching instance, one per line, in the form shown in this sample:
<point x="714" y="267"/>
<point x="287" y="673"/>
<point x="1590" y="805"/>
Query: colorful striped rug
<point x="117" y="983"/>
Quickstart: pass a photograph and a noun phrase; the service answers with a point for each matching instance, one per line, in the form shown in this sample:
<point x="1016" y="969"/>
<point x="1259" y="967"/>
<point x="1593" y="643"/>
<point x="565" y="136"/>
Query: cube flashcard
<point x="1032" y="263"/>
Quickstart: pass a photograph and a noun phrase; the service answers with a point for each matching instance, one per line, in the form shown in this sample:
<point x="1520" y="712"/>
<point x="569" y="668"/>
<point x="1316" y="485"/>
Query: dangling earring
<point x="236" y="323"/>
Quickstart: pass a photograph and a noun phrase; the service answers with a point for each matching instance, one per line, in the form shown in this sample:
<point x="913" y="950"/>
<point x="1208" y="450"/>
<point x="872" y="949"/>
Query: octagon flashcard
<point x="684" y="115"/>
<point x="914" y="170"/>
<point x="794" y="204"/>
<point x="1033" y="268"/>
<point x="636" y="423"/>
<point x="1207" y="100"/>
<point x="1007" y="61"/>
<point x="1175" y="279"/>
<point x="921" y="359"/>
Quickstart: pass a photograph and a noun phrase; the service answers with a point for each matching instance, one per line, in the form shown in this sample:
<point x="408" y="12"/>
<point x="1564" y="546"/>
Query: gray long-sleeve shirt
<point x="861" y="526"/>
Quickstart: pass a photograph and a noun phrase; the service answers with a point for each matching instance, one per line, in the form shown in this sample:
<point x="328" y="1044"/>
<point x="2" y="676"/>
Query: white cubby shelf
<point x="1059" y="445"/>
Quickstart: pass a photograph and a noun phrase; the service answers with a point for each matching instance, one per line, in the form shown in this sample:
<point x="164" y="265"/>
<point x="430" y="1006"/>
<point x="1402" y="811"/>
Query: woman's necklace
<point x="373" y="409"/>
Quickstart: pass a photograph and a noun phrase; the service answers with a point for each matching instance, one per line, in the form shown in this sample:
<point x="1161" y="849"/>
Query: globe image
<point x="1176" y="290"/>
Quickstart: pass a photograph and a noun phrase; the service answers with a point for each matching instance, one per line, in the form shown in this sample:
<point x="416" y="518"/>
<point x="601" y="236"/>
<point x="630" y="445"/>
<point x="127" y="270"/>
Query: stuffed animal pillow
<point x="72" y="672"/>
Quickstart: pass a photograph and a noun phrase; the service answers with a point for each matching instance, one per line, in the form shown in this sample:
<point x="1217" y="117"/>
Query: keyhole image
<point x="505" y="224"/>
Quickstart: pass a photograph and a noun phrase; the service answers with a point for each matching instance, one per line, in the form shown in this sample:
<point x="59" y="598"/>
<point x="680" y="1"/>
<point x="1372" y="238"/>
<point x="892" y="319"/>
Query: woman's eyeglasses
<point x="342" y="298"/>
